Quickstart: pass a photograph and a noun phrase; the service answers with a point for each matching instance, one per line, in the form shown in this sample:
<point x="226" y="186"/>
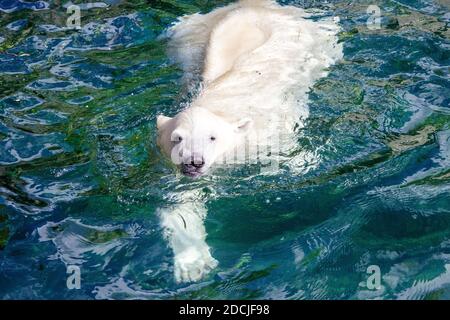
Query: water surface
<point x="81" y="177"/>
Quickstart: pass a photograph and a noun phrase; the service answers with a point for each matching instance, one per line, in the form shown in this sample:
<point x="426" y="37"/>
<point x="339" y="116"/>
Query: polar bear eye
<point x="176" y="138"/>
<point x="212" y="138"/>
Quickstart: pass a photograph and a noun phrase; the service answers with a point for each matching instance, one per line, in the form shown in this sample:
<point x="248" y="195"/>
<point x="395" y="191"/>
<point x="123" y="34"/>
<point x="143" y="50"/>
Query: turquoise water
<point x="81" y="177"/>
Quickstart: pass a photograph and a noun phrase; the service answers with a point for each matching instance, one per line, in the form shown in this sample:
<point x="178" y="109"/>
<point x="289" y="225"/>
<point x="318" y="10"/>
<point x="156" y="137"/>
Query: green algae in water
<point x="4" y="236"/>
<point x="4" y="230"/>
<point x="97" y="236"/>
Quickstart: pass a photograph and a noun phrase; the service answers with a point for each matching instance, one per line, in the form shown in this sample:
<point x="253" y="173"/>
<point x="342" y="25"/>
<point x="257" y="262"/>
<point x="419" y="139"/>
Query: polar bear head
<point x="195" y="138"/>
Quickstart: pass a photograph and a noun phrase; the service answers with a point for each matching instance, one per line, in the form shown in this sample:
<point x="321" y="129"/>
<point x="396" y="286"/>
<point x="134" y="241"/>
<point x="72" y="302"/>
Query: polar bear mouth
<point x="191" y="171"/>
<point x="192" y="174"/>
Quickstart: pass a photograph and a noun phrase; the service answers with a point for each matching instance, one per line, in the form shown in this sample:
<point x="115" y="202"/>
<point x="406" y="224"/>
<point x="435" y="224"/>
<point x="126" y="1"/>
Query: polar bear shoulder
<point x="196" y="41"/>
<point x="238" y="33"/>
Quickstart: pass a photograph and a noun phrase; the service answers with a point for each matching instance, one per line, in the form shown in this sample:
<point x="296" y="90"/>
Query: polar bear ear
<point x="243" y="126"/>
<point x="161" y="121"/>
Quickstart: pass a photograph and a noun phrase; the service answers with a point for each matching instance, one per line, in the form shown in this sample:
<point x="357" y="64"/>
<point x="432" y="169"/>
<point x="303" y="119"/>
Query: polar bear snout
<point x="196" y="160"/>
<point x="193" y="165"/>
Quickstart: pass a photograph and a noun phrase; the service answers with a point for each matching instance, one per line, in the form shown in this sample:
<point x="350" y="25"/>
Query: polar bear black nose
<point x="197" y="161"/>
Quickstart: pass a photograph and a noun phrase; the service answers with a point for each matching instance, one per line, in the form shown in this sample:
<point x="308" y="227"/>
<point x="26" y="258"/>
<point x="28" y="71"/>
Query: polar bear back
<point x="237" y="34"/>
<point x="256" y="59"/>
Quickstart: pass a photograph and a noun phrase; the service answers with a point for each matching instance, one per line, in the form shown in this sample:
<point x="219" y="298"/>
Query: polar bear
<point x="256" y="60"/>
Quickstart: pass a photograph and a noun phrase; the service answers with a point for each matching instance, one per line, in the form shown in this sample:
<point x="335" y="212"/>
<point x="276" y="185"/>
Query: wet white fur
<point x="257" y="60"/>
<point x="186" y="234"/>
